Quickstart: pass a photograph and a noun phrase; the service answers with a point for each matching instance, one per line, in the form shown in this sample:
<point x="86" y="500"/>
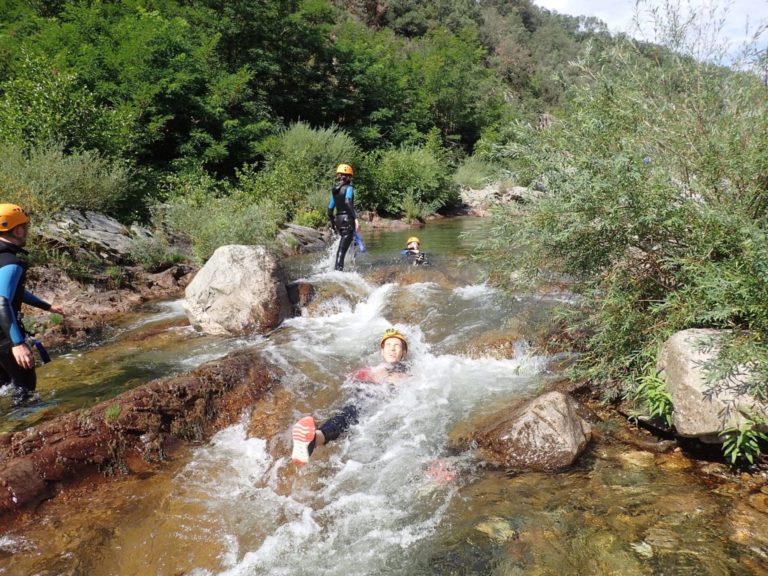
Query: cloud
<point x="618" y="15"/>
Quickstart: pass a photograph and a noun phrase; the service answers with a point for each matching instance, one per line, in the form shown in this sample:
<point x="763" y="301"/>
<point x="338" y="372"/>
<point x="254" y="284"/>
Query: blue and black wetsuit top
<point x="13" y="271"/>
<point x="342" y="200"/>
<point x="415" y="258"/>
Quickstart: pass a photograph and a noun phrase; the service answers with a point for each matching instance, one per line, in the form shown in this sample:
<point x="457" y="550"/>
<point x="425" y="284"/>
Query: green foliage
<point x="475" y="173"/>
<point x="210" y="221"/>
<point x="155" y="254"/>
<point x="45" y="179"/>
<point x="651" y="393"/>
<point x="317" y="151"/>
<point x="55" y="319"/>
<point x="300" y="168"/>
<point x="84" y="267"/>
<point x="413" y="175"/>
<point x="42" y="104"/>
<point x="742" y="443"/>
<point x="413" y="209"/>
<point x="115" y="276"/>
<point x="652" y="194"/>
<point x="112" y="413"/>
<point x="311" y="218"/>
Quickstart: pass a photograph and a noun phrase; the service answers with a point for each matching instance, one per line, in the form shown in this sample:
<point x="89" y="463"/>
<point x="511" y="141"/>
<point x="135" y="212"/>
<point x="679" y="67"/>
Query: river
<point x="365" y="504"/>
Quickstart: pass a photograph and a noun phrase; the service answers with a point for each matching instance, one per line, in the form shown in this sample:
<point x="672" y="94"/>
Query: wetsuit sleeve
<point x="10" y="275"/>
<point x="331" y="206"/>
<point x="349" y="198"/>
<point x="33" y="300"/>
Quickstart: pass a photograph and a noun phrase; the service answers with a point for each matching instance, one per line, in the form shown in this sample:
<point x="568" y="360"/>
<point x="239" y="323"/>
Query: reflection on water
<point x="365" y="504"/>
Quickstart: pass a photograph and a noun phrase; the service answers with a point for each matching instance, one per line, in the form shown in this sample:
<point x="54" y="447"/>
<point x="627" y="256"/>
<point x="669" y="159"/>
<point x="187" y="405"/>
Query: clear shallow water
<point x="365" y="504"/>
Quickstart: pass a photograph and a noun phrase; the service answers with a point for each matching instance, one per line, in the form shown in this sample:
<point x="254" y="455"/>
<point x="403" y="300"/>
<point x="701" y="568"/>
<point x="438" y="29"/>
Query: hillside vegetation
<point x="223" y="120"/>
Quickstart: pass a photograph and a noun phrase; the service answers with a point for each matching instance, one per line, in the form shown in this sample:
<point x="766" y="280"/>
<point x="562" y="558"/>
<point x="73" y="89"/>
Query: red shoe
<point x="303" y="434"/>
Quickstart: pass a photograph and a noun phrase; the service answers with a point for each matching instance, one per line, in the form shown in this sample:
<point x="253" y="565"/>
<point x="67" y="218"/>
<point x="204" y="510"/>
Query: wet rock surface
<point x="132" y="431"/>
<point x="545" y="434"/>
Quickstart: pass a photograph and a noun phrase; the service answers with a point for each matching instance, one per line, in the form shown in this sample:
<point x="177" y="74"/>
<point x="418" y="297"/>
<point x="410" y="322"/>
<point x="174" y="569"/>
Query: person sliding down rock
<point x="307" y="435"/>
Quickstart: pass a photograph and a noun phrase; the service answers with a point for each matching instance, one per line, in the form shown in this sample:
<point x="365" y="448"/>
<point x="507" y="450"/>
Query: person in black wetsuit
<point x="307" y="435"/>
<point x="344" y="222"/>
<point x="413" y="252"/>
<point x="16" y="358"/>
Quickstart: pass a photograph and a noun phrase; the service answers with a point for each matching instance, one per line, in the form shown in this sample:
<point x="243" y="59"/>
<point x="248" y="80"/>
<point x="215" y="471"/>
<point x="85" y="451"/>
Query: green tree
<point x="42" y="104"/>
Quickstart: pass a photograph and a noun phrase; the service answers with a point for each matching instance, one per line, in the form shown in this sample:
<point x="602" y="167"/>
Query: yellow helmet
<point x="11" y="216"/>
<point x="345" y="169"/>
<point x="393" y="333"/>
<point x="412" y="239"/>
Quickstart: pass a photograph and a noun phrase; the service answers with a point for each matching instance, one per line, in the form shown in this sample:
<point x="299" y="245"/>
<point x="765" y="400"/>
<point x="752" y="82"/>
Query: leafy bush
<point x="300" y="168"/>
<point x="742" y="443"/>
<point x="415" y="174"/>
<point x="219" y="221"/>
<point x="651" y="393"/>
<point x="653" y="197"/>
<point x="155" y="254"/>
<point x="41" y="103"/>
<point x="45" y="179"/>
<point x="475" y="173"/>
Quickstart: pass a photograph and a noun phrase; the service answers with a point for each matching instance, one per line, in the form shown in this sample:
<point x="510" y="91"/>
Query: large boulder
<point x="545" y="434"/>
<point x="703" y="410"/>
<point x="239" y="291"/>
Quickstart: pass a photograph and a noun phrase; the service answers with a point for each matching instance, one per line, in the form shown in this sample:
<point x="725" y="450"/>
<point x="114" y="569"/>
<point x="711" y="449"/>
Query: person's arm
<point x="37" y="302"/>
<point x="349" y="199"/>
<point x="331" y="206"/>
<point x="33" y="300"/>
<point x="10" y="275"/>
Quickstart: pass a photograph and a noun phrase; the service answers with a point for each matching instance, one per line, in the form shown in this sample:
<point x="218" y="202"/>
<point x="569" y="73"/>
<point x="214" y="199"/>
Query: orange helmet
<point x="393" y="333"/>
<point x="11" y="216"/>
<point x="345" y="169"/>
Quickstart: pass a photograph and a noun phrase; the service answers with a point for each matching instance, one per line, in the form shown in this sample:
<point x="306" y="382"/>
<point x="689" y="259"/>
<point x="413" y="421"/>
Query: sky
<point x="617" y="14"/>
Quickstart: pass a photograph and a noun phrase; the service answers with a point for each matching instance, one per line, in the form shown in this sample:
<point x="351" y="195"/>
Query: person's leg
<point x="347" y="231"/>
<point x="306" y="437"/>
<point x="340" y="423"/>
<point x="25" y="381"/>
<point x="303" y="434"/>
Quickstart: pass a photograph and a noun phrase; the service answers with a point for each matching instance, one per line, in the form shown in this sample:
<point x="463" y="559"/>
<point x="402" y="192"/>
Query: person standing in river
<point x="307" y="435"/>
<point x="16" y="358"/>
<point x="344" y="222"/>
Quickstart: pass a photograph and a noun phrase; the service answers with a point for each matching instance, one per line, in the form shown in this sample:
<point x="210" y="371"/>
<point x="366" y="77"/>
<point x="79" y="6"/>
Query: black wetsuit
<point x="349" y="415"/>
<point x="342" y="200"/>
<point x="415" y="258"/>
<point x="13" y="272"/>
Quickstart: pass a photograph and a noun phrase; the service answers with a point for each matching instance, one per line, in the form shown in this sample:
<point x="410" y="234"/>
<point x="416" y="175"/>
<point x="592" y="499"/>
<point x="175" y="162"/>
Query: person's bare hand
<point x="23" y="356"/>
<point x="55" y="308"/>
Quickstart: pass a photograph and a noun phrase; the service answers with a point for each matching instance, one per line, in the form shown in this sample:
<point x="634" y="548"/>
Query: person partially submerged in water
<point x="307" y="435"/>
<point x="413" y="253"/>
